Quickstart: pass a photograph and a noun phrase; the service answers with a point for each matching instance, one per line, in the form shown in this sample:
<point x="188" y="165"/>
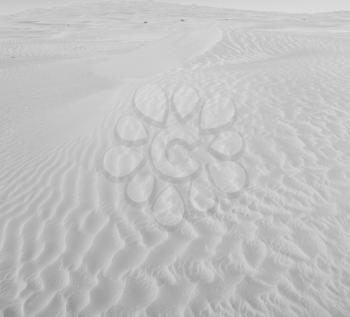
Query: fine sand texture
<point x="167" y="160"/>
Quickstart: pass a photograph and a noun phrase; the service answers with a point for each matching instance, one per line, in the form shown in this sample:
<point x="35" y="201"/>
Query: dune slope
<point x="193" y="165"/>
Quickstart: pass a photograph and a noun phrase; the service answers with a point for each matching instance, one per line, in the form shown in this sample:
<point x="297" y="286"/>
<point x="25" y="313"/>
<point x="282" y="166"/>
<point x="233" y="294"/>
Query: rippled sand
<point x="167" y="160"/>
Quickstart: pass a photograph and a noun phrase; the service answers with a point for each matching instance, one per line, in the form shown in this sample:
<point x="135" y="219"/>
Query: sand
<point x="158" y="167"/>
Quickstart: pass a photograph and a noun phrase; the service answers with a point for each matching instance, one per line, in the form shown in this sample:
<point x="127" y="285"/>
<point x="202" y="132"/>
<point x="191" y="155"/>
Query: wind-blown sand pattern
<point x="174" y="168"/>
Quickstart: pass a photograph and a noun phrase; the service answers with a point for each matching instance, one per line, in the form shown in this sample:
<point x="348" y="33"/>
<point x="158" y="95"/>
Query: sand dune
<point x="174" y="168"/>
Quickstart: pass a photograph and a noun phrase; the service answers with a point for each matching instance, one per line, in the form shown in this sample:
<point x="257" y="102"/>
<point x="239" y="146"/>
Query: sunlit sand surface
<point x="168" y="160"/>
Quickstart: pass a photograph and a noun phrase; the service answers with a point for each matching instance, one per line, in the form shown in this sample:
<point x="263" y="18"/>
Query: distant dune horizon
<point x="298" y="6"/>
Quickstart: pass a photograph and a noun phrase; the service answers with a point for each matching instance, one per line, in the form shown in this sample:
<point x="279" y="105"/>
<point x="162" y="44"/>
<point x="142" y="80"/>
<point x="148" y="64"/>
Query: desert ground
<point x="168" y="160"/>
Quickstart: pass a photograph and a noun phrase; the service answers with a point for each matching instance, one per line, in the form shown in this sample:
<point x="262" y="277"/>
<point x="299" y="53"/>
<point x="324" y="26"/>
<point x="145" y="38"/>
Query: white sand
<point x="174" y="168"/>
